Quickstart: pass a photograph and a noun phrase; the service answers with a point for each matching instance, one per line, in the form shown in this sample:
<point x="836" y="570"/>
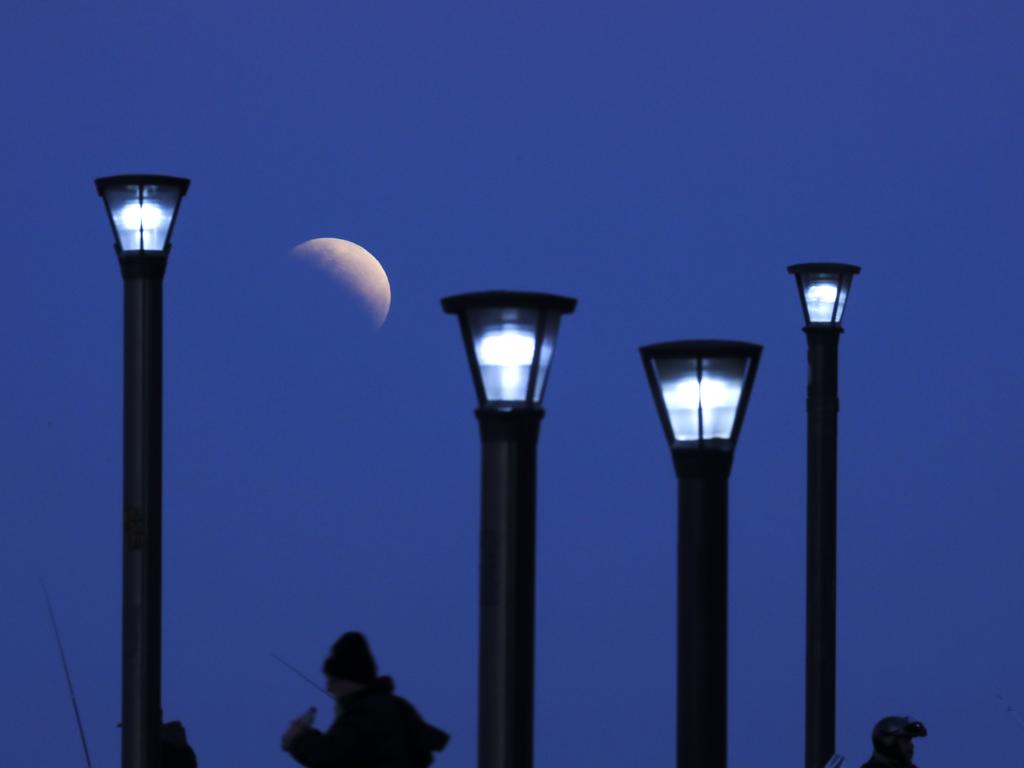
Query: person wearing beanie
<point x="372" y="728"/>
<point x="892" y="739"/>
<point x="351" y="660"/>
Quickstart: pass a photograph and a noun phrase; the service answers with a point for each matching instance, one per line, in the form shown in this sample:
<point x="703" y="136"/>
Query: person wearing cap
<point x="892" y="739"/>
<point x="373" y="728"/>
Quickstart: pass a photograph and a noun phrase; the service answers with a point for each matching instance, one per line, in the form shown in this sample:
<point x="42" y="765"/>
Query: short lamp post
<point x="142" y="211"/>
<point x="823" y="290"/>
<point x="510" y="340"/>
<point x="701" y="390"/>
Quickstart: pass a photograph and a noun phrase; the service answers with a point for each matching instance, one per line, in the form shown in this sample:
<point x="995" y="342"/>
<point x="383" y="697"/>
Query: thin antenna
<point x="67" y="673"/>
<point x="1011" y="710"/>
<point x="324" y="691"/>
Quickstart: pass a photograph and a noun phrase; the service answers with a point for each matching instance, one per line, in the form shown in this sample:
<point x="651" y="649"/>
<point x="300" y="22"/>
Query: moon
<point x="355" y="269"/>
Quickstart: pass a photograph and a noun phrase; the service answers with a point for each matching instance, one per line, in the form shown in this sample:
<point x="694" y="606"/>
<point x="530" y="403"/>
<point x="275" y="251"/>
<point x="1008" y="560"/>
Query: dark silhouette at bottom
<point x="892" y="739"/>
<point x="175" y="751"/>
<point x="373" y="728"/>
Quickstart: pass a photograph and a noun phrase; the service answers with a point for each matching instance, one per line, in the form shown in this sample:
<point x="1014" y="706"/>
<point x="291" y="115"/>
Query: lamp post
<point x="510" y="340"/>
<point x="142" y="210"/>
<point x="701" y="390"/>
<point x="823" y="292"/>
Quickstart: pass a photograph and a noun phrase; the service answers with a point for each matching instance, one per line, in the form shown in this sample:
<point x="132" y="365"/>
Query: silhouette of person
<point x="892" y="739"/>
<point x="373" y="728"/>
<point x="175" y="751"/>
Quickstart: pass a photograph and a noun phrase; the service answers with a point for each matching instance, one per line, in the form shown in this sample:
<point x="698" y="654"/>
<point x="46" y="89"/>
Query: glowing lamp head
<point x="510" y="339"/>
<point x="823" y="290"/>
<point x="701" y="390"/>
<point x="142" y="210"/>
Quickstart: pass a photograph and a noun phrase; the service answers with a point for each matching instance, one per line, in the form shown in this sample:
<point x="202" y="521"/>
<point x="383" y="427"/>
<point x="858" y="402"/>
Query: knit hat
<point x="897" y="727"/>
<point x="351" y="659"/>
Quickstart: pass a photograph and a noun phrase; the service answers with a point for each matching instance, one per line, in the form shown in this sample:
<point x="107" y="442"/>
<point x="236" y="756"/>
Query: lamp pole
<point x="702" y="599"/>
<point x="507" y="568"/>
<point x="142" y="211"/>
<point x="509" y="338"/>
<point x="823" y="289"/>
<point x="701" y="389"/>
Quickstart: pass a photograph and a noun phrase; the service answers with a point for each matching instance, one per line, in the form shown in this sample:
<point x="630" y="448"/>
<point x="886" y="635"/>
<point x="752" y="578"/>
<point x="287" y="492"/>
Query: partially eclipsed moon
<point x="355" y="269"/>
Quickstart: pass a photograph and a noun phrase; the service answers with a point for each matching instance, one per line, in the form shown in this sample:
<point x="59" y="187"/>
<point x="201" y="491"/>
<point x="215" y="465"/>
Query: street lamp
<point x="510" y="340"/>
<point x="823" y="290"/>
<point x="701" y="389"/>
<point x="142" y="211"/>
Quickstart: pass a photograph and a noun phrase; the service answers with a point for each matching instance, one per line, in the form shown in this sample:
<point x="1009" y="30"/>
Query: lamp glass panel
<point x="142" y="214"/>
<point x="721" y="386"/>
<point x="825" y="296"/>
<point x="504" y="341"/>
<point x="844" y="287"/>
<point x="701" y="396"/>
<point x="680" y="391"/>
<point x="547" y="351"/>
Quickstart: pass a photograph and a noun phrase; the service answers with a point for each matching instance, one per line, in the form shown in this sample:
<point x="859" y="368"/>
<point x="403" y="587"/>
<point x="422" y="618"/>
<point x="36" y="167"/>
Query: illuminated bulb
<point x="505" y="354"/>
<point x="715" y="393"/>
<point x="822" y="292"/>
<point x="690" y="394"/>
<point x="715" y="401"/>
<point x="141" y="216"/>
<point x="821" y="299"/>
<point x="506" y="347"/>
<point x="685" y="395"/>
<point x="719" y="399"/>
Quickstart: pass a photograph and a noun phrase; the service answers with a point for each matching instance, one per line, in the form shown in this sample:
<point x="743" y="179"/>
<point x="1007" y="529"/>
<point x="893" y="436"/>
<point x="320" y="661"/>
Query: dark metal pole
<point x="507" y="545"/>
<point x="822" y="418"/>
<point x="143" y="377"/>
<point x="702" y="611"/>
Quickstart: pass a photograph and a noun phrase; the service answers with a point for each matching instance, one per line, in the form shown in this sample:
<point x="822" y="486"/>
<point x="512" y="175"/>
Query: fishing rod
<point x="322" y="690"/>
<point x="67" y="673"/>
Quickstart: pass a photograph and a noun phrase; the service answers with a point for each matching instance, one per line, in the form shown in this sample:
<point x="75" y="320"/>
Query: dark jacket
<point x="375" y="729"/>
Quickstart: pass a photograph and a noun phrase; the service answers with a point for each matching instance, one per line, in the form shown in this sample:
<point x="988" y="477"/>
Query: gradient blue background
<point x="661" y="161"/>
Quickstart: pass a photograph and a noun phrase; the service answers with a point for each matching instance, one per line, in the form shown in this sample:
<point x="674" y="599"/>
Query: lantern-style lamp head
<point x="510" y="340"/>
<point x="823" y="290"/>
<point x="701" y="389"/>
<point x="142" y="210"/>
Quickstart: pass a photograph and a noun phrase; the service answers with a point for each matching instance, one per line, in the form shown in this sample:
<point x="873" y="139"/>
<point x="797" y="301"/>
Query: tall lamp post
<point x="510" y="340"/>
<point x="701" y="389"/>
<point x="142" y="210"/>
<point x="823" y="289"/>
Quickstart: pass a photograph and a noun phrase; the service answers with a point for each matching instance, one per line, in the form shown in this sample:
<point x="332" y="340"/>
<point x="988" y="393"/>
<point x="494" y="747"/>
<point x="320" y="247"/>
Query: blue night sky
<point x="663" y="162"/>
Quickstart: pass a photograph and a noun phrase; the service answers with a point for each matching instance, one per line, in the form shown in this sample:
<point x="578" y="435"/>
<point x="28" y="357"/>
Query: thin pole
<point x="324" y="691"/>
<point x="702" y="609"/>
<point x="67" y="673"/>
<point x="822" y="428"/>
<point x="507" y="552"/>
<point x="141" y="606"/>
